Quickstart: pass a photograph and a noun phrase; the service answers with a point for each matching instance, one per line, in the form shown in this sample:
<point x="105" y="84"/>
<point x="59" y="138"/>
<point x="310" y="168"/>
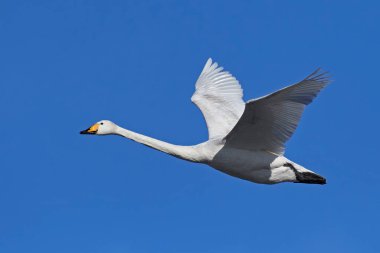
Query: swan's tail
<point x="305" y="176"/>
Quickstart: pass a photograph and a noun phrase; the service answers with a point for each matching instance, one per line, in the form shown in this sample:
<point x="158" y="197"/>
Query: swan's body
<point x="246" y="140"/>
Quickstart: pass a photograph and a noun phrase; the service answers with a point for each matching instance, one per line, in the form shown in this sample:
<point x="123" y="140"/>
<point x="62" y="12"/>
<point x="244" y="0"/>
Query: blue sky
<point x="67" y="64"/>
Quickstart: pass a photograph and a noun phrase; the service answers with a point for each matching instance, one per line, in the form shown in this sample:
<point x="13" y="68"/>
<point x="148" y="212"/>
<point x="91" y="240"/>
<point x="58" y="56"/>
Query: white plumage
<point x="246" y="140"/>
<point x="220" y="98"/>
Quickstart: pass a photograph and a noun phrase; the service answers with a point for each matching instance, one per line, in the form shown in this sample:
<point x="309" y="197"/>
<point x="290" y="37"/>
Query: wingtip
<point x="320" y="75"/>
<point x="208" y="64"/>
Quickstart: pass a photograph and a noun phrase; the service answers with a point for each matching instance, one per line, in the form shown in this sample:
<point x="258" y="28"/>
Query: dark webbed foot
<point x="306" y="177"/>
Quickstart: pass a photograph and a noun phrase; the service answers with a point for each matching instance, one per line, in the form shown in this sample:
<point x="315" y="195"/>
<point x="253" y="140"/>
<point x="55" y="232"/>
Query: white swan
<point x="246" y="140"/>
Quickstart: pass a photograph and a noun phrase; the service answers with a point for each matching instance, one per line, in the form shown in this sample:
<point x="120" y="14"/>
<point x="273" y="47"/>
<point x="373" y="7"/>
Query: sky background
<point x="67" y="64"/>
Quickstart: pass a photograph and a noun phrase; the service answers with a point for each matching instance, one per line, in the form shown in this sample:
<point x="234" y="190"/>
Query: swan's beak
<point x="92" y="130"/>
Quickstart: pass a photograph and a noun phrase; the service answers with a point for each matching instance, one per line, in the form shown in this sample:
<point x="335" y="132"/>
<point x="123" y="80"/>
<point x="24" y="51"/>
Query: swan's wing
<point x="219" y="96"/>
<point x="268" y="122"/>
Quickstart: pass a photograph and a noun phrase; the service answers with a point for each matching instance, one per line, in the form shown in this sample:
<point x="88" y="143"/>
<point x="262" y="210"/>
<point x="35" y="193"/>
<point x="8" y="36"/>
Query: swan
<point x="246" y="140"/>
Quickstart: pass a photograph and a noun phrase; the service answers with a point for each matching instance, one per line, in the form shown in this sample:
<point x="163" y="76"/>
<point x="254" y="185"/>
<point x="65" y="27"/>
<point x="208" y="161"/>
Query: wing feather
<point x="268" y="122"/>
<point x="219" y="96"/>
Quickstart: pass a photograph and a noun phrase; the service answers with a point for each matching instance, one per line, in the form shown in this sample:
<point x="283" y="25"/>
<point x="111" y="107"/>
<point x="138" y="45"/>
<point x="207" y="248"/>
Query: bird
<point x="245" y="139"/>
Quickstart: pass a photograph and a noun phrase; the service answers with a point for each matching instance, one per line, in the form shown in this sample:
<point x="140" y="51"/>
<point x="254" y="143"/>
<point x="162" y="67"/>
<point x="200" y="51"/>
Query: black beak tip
<point x="87" y="131"/>
<point x="83" y="132"/>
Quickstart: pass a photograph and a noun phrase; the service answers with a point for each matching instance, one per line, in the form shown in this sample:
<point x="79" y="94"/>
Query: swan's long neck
<point x="183" y="152"/>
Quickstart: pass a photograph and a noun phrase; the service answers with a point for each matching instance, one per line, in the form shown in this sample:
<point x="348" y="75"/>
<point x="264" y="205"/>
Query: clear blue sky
<point x="67" y="64"/>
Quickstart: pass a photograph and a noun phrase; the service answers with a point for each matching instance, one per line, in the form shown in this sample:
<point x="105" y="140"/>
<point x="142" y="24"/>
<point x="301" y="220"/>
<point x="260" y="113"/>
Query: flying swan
<point x="246" y="140"/>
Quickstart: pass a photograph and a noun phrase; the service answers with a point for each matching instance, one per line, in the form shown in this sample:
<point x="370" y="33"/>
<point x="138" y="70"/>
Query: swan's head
<point x="102" y="127"/>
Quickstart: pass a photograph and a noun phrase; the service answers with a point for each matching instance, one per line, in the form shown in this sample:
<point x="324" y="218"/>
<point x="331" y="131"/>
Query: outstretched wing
<point x="219" y="96"/>
<point x="268" y="122"/>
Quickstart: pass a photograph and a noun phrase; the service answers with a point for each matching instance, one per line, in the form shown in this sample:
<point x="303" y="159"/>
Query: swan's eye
<point x="101" y="123"/>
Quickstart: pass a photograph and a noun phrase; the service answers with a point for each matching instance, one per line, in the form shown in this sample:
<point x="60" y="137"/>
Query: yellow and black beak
<point x="92" y="130"/>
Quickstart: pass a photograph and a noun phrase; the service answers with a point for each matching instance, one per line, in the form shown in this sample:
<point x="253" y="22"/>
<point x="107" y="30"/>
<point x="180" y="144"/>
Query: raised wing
<point x="219" y="96"/>
<point x="268" y="122"/>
